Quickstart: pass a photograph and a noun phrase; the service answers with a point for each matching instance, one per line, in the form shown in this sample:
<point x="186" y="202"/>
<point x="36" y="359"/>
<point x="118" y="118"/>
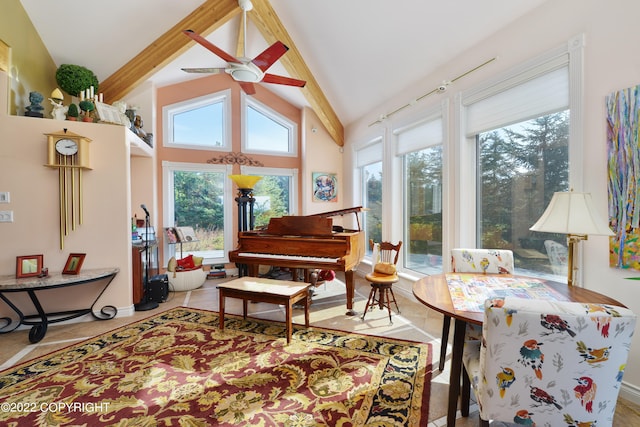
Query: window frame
<point x="171" y="110"/>
<point x="250" y="102"/>
<point x="168" y="169"/>
<point x="434" y="115"/>
<point x="466" y="148"/>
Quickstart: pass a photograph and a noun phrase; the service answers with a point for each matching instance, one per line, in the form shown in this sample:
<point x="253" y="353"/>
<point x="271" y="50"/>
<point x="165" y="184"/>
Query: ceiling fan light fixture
<point x="245" y="75"/>
<point x="245" y="72"/>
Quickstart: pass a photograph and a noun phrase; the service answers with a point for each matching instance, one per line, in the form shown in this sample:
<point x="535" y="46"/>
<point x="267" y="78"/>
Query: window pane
<point x="265" y="134"/>
<point x="272" y="198"/>
<point x="372" y="199"/>
<point x="423" y="210"/>
<point x="199" y="203"/>
<point x="200" y="126"/>
<point x="520" y="167"/>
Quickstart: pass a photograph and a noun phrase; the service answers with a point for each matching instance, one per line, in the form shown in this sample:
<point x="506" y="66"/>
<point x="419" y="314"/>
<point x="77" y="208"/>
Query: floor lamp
<point x="245" y="201"/>
<point x="573" y="214"/>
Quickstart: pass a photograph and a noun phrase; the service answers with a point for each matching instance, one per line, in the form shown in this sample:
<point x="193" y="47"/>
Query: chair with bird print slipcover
<point x="548" y="363"/>
<point x="492" y="261"/>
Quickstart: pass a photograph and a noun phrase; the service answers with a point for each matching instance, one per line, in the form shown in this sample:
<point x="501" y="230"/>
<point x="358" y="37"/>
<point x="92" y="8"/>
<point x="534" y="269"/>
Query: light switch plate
<point x="6" y="216"/>
<point x="5" y="197"/>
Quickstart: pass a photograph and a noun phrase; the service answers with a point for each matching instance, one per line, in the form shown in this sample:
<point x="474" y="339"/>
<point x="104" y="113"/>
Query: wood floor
<point x="415" y="322"/>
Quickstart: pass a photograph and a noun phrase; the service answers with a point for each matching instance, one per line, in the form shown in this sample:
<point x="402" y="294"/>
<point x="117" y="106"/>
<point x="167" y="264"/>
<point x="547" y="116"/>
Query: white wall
<point x="611" y="63"/>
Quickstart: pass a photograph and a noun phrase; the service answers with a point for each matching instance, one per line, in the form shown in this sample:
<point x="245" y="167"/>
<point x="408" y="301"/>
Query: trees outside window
<point x="519" y="168"/>
<point x="423" y="210"/>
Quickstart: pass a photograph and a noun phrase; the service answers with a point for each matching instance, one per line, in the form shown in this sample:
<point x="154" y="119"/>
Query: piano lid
<point x="341" y="212"/>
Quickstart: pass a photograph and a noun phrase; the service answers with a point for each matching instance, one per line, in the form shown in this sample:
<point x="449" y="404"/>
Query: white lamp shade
<point x="572" y="213"/>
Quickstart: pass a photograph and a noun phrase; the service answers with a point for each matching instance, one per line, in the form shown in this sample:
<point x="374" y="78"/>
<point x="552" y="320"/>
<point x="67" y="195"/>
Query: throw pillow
<point x="385" y="268"/>
<point x="173" y="264"/>
<point x="186" y="263"/>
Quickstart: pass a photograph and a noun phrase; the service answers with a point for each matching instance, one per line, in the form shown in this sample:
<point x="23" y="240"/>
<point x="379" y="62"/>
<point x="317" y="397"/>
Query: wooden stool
<point x="384" y="275"/>
<point x="384" y="298"/>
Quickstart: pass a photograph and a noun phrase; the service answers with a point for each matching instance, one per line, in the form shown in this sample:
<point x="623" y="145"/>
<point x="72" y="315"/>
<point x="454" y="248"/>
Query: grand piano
<point x="304" y="242"/>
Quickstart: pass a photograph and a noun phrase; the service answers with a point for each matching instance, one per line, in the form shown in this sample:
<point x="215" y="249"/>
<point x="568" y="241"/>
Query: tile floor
<point x="416" y="322"/>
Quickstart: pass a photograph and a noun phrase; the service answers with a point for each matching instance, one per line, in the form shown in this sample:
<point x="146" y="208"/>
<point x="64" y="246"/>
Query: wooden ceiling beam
<point x="266" y="20"/>
<point x="205" y="19"/>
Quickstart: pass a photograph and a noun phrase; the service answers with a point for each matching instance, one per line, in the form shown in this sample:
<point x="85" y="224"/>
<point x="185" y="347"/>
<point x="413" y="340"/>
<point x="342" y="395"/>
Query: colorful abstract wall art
<point x="623" y="153"/>
<point x="325" y="187"/>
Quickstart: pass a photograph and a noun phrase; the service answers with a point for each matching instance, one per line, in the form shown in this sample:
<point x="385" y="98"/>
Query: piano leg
<point x="348" y="276"/>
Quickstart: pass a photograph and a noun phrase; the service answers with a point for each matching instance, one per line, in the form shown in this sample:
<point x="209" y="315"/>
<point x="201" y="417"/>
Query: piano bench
<point x="272" y="291"/>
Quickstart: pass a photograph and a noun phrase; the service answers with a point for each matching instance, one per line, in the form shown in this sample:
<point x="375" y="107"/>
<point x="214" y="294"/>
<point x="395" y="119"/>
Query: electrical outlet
<point x="6" y="216"/>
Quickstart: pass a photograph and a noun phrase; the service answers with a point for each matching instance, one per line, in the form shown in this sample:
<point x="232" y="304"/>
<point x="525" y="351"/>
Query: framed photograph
<point x="325" y="187"/>
<point x="109" y="114"/>
<point x="74" y="262"/>
<point x="172" y="235"/>
<point x="29" y="266"/>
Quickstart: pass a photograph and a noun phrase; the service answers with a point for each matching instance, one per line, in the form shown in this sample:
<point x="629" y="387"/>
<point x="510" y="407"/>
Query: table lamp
<point x="573" y="214"/>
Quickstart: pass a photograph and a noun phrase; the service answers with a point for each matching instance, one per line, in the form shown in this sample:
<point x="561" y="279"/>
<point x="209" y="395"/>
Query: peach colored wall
<point x="105" y="234"/>
<point x="321" y="154"/>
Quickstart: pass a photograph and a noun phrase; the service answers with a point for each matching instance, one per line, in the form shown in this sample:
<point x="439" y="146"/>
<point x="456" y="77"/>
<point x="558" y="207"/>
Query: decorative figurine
<point x="146" y="137"/>
<point x="35" y="109"/>
<point x="59" y="111"/>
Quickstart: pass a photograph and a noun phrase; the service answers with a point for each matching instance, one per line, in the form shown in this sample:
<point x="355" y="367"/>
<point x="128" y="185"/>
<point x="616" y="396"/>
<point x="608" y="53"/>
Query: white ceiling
<point x="361" y="52"/>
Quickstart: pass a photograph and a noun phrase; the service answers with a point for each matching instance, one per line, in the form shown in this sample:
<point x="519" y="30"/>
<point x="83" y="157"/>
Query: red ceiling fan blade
<point x="270" y="55"/>
<point x="204" y="70"/>
<point x="248" y="88"/>
<point x="210" y="46"/>
<point x="281" y="80"/>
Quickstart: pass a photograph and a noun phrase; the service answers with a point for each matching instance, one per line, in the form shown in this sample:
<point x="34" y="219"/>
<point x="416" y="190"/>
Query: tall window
<point x="520" y="130"/>
<point x="519" y="168"/>
<point x="420" y="146"/>
<point x="195" y="197"/>
<point x="275" y="194"/>
<point x="267" y="132"/>
<point x="372" y="185"/>
<point x="369" y="162"/>
<point x="199" y="123"/>
<point x="423" y="210"/>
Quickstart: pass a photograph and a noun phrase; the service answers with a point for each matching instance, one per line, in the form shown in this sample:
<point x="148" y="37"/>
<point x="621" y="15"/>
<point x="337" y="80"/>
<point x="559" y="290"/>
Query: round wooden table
<point x="433" y="291"/>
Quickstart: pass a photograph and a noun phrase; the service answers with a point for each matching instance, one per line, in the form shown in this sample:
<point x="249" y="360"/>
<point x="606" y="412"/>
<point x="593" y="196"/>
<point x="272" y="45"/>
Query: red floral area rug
<point x="178" y="369"/>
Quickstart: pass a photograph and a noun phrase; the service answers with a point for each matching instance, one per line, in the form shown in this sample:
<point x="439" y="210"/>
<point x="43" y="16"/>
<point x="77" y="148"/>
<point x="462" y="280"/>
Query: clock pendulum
<point x="69" y="153"/>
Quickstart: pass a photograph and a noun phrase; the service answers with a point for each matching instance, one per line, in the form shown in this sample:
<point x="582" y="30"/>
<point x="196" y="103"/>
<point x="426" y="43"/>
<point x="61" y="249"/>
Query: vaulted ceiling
<point x="353" y="54"/>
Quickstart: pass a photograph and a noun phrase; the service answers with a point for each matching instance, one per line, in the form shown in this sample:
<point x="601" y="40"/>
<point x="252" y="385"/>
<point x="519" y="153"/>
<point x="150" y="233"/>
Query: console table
<point x="40" y="321"/>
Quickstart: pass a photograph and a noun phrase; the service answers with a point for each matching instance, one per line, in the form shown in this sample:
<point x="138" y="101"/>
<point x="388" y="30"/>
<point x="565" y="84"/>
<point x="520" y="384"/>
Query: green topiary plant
<point x="87" y="106"/>
<point x="74" y="78"/>
<point x="73" y="110"/>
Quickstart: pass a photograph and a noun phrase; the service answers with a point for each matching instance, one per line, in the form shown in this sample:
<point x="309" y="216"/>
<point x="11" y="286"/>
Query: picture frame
<point x="109" y="114"/>
<point x="29" y="266"/>
<point x="172" y="235"/>
<point x="73" y="264"/>
<point x="325" y="187"/>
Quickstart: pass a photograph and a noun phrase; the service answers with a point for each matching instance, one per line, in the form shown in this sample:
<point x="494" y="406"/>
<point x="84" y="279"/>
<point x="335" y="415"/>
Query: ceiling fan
<point x="244" y="70"/>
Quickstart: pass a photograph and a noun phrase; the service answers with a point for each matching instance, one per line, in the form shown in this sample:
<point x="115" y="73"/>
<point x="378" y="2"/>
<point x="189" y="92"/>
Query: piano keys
<point x="306" y="242"/>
